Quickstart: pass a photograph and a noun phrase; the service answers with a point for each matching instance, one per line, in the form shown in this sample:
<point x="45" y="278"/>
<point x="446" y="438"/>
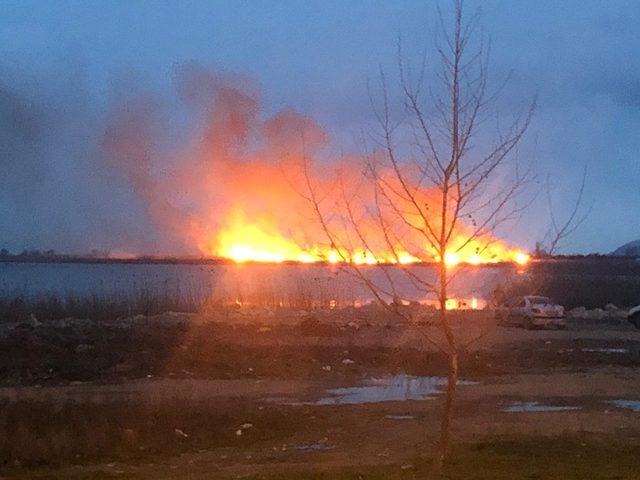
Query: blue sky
<point x="62" y="62"/>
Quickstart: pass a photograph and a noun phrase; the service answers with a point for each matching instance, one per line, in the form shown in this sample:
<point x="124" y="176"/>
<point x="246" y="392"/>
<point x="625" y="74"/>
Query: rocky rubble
<point x="610" y="313"/>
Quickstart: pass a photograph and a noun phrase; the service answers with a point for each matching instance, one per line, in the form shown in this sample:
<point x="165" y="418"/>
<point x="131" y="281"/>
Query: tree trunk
<point x="447" y="414"/>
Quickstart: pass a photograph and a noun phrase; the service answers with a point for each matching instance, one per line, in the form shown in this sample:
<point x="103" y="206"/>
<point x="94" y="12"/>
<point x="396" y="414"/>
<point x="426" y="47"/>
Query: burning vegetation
<point x="235" y="186"/>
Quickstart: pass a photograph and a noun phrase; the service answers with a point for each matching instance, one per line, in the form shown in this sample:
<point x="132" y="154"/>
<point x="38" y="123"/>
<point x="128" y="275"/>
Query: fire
<point x="246" y="242"/>
<point x="451" y="259"/>
<point x="473" y="303"/>
<point x="262" y="241"/>
<point x="521" y="258"/>
<point x="475" y="259"/>
<point x="236" y="188"/>
<point x="249" y="243"/>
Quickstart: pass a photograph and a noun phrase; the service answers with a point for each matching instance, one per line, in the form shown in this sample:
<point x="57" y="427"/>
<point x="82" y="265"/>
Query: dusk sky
<point x="62" y="64"/>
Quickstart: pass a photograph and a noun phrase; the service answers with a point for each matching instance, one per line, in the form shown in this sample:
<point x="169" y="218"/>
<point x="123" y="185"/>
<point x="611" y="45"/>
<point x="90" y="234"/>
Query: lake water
<point x="319" y="283"/>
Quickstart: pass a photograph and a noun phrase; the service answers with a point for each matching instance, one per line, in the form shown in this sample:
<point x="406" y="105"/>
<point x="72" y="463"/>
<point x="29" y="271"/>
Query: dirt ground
<point x="195" y="399"/>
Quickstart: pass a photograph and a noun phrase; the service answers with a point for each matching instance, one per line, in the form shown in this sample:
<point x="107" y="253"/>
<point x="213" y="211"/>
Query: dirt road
<point x="367" y="398"/>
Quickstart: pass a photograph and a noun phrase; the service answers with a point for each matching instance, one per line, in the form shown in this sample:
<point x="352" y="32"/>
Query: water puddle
<point x="605" y="350"/>
<point x="626" y="404"/>
<point x="522" y="407"/>
<point x="397" y="388"/>
<point x="314" y="447"/>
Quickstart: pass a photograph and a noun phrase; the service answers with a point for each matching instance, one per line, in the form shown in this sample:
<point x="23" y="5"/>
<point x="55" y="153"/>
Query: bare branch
<point x="560" y="232"/>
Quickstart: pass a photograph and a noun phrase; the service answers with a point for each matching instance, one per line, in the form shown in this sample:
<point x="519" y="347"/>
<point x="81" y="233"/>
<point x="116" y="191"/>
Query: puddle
<point x="595" y="350"/>
<point x="396" y="388"/>
<point x="605" y="350"/>
<point x="315" y="447"/>
<point x="521" y="407"/>
<point x="388" y="389"/>
<point x="399" y="417"/>
<point x="626" y="404"/>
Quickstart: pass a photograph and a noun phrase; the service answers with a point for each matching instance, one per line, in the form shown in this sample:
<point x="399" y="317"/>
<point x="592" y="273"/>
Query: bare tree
<point x="559" y="231"/>
<point x="433" y="185"/>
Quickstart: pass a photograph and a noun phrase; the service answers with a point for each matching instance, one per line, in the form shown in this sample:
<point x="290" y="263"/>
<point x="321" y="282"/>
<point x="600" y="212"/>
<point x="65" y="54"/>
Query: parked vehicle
<point x="531" y="312"/>
<point x="634" y="316"/>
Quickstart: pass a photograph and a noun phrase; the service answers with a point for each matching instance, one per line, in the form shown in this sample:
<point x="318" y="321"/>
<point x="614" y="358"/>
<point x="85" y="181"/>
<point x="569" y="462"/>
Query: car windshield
<point x="539" y="300"/>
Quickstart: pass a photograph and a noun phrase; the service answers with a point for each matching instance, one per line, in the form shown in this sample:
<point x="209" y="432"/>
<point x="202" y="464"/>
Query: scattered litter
<point x="264" y="329"/>
<point x="348" y="361"/>
<point x="406" y="466"/>
<point x="326" y="368"/>
<point x="180" y="433"/>
<point x="522" y="407"/>
<point x="35" y="323"/>
<point x="243" y="427"/>
<point x="83" y="347"/>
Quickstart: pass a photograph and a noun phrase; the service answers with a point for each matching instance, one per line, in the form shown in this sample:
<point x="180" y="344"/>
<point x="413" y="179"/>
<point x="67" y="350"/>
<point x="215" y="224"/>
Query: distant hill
<point x="631" y="249"/>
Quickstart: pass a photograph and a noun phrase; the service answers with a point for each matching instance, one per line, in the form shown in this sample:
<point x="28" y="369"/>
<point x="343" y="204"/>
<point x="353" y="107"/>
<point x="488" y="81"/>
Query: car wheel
<point x="635" y="320"/>
<point x="528" y="323"/>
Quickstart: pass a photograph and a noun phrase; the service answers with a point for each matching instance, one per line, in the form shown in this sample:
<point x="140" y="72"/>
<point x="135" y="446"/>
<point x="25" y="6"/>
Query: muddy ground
<point x="271" y="396"/>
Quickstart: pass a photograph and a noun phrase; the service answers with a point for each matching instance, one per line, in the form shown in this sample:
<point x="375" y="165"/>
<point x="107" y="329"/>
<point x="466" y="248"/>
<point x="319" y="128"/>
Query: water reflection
<point x="253" y="283"/>
<point x="396" y="388"/>
<point x="626" y="404"/>
<point x="520" y="407"/>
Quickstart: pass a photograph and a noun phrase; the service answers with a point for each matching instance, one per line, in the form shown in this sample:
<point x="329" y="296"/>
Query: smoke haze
<point x="107" y="143"/>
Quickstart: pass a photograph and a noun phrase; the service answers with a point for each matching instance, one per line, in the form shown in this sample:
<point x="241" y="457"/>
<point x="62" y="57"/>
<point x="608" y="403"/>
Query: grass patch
<point x="36" y="433"/>
<point x="535" y="457"/>
<point x="21" y="308"/>
<point x="569" y="457"/>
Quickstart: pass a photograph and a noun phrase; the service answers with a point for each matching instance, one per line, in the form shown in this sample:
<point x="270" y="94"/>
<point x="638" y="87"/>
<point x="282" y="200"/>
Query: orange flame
<point x="228" y="190"/>
<point x="261" y="241"/>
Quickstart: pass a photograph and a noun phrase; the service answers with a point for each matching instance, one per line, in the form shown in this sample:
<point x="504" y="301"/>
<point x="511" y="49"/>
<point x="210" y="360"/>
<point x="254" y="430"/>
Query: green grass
<point x="533" y="457"/>
<point x="569" y="457"/>
<point x="505" y="458"/>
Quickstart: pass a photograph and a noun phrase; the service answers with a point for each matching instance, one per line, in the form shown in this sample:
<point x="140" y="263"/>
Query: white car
<point x="531" y="311"/>
<point x="634" y="316"/>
